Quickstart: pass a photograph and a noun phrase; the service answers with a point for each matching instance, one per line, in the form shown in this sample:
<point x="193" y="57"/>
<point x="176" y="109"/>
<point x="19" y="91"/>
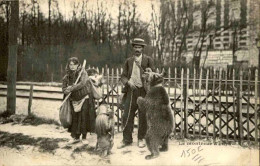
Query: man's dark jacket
<point x="147" y="62"/>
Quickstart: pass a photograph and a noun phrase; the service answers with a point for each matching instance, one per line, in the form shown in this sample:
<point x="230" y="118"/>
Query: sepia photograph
<point x="130" y="82"/>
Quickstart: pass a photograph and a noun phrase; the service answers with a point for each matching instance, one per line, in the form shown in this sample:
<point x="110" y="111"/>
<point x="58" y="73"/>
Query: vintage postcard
<point x="129" y="82"/>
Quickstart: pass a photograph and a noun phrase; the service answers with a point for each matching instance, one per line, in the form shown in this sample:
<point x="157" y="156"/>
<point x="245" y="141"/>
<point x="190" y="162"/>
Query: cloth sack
<point x="96" y="82"/>
<point x="66" y="114"/>
<point x="78" y="104"/>
<point x="96" y="90"/>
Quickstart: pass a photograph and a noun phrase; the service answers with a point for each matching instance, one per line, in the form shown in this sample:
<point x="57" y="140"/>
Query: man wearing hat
<point x="131" y="77"/>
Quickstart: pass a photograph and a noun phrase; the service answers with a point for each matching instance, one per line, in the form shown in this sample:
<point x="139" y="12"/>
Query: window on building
<point x="243" y="32"/>
<point x="243" y="38"/>
<point x="226" y="39"/>
<point x="217" y="45"/>
<point x="217" y="34"/>
<point x="242" y="44"/>
<point x="226" y="45"/>
<point x="210" y="41"/>
<point x="217" y="40"/>
<point x="226" y="34"/>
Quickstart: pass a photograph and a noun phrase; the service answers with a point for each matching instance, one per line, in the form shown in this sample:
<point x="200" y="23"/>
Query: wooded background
<point x="46" y="41"/>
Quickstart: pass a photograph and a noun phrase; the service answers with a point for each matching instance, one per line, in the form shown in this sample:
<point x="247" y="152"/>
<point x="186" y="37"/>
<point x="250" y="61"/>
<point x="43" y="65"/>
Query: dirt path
<point x="180" y="153"/>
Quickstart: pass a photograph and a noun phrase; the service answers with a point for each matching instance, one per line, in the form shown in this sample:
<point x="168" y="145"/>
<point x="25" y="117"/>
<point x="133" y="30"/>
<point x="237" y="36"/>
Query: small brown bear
<point x="105" y="129"/>
<point x="158" y="114"/>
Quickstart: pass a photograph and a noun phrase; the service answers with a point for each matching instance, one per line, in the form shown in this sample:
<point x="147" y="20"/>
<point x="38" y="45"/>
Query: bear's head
<point x="152" y="79"/>
<point x="103" y="109"/>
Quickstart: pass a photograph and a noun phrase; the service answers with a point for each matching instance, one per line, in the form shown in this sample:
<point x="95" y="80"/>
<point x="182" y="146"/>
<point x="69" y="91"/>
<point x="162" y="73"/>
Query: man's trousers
<point x="130" y="108"/>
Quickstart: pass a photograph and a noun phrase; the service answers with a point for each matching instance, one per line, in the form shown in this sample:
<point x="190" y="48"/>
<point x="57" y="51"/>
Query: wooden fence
<point x="205" y="103"/>
<point x="214" y="104"/>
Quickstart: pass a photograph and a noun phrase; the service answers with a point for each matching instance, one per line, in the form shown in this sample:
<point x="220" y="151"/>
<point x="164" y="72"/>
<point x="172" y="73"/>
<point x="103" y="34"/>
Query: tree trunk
<point x="12" y="58"/>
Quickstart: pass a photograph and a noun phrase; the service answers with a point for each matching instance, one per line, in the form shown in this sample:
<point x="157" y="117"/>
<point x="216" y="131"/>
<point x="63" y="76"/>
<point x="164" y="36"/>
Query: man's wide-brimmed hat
<point x="138" y="41"/>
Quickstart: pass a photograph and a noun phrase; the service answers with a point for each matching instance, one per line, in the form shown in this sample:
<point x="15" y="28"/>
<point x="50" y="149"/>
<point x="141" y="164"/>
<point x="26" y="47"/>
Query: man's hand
<point x="131" y="85"/>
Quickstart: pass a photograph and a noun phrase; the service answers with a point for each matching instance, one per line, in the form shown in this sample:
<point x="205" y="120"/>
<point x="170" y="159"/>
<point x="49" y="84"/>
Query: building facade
<point x="223" y="32"/>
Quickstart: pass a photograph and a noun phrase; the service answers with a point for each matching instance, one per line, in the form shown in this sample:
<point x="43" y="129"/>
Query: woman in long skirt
<point x="82" y="101"/>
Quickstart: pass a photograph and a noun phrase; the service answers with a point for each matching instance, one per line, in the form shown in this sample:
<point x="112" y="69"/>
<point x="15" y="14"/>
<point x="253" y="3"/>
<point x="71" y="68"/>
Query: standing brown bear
<point x="158" y="114"/>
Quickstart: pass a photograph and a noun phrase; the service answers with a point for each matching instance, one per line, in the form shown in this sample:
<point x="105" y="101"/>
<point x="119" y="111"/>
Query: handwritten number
<point x="200" y="160"/>
<point x="192" y="153"/>
<point x="188" y="152"/>
<point x="199" y="148"/>
<point x="183" y="154"/>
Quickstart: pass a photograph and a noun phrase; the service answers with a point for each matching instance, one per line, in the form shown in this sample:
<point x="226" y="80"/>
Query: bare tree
<point x="12" y="58"/>
<point x="205" y="30"/>
<point x="171" y="29"/>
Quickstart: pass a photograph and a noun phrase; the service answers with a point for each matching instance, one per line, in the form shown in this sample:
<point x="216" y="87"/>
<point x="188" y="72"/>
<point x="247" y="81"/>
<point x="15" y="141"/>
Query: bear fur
<point x="105" y="129"/>
<point x="159" y="117"/>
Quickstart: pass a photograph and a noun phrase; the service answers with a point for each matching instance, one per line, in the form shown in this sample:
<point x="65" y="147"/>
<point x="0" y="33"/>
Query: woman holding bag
<point x="82" y="101"/>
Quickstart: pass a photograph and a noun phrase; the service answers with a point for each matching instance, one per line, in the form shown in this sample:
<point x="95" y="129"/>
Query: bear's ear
<point x="156" y="79"/>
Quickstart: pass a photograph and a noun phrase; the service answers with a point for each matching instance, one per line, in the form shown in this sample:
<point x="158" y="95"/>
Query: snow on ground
<point x="206" y="154"/>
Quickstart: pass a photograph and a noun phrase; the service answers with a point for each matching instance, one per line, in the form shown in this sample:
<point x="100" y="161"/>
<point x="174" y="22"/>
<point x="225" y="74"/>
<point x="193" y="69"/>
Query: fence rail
<point x="204" y="103"/>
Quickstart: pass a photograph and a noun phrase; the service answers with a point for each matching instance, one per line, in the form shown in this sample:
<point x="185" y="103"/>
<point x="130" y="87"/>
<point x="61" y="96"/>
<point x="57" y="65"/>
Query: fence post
<point x="207" y="111"/>
<point x="107" y="85"/>
<point x="103" y="74"/>
<point x="248" y="101"/>
<point x="182" y="97"/>
<point x="61" y="71"/>
<point x="194" y="102"/>
<point x="213" y="102"/>
<point x="219" y="104"/>
<point x="117" y="89"/>
<point x="256" y="101"/>
<point x="30" y="99"/>
<point x="169" y="81"/>
<point x="32" y="74"/>
<point x="112" y="90"/>
<point x="227" y="104"/>
<point x="175" y="96"/>
<point x="234" y="104"/>
<point x="200" y="103"/>
<point x="239" y="110"/>
<point x="47" y="72"/>
<point x="185" y="96"/>
<point x="51" y="76"/>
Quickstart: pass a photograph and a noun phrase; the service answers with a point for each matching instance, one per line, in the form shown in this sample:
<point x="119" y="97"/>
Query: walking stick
<point x="82" y="69"/>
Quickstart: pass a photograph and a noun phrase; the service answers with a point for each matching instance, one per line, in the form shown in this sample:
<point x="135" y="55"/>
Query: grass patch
<point x="85" y="148"/>
<point x="17" y="139"/>
<point x="35" y="120"/>
<point x="5" y="117"/>
<point x="32" y="119"/>
<point x="81" y="149"/>
<point x="5" y="114"/>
